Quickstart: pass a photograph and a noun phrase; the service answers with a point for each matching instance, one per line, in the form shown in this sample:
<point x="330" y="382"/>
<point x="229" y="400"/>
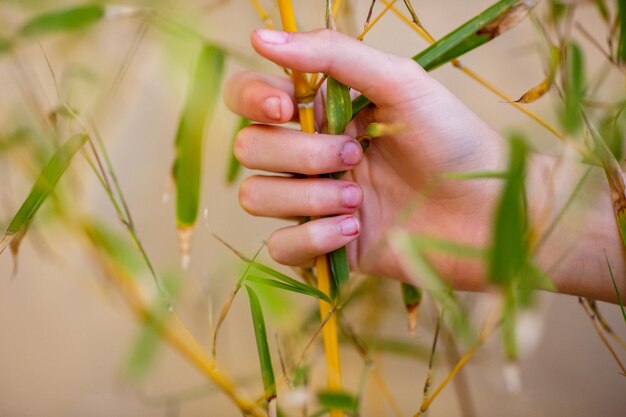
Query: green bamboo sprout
<point x="187" y="170"/>
<point x="265" y="358"/>
<point x="43" y="187"/>
<point x="338" y="114"/>
<point x="486" y="26"/>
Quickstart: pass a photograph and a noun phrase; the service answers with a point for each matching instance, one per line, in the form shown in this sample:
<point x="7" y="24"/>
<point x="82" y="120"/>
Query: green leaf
<point x="573" y="89"/>
<point x="437" y="244"/>
<point x="63" y="20"/>
<point x="234" y="167"/>
<point x="509" y="249"/>
<point x="474" y="175"/>
<point x="288" y="280"/>
<point x="300" y="288"/>
<point x="621" y="49"/>
<point x="45" y="184"/>
<point x="619" y="297"/>
<point x="433" y="283"/>
<point x="338" y="114"/>
<point x="338" y="106"/>
<point x="201" y="101"/>
<point x="116" y="246"/>
<point x="143" y="352"/>
<point x="339" y="267"/>
<point x="489" y="24"/>
<point x="337" y="400"/>
<point x="260" y="333"/>
<point x="412" y="298"/>
<point x="509" y="324"/>
<point x="411" y="295"/>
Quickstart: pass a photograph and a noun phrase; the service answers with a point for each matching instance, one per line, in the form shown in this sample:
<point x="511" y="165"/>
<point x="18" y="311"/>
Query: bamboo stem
<point x="305" y="95"/>
<point x="371" y="25"/>
<point x="178" y="336"/>
<point x="476" y="77"/>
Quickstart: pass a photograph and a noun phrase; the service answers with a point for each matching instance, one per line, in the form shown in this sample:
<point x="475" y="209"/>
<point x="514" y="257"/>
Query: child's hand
<point x="438" y="134"/>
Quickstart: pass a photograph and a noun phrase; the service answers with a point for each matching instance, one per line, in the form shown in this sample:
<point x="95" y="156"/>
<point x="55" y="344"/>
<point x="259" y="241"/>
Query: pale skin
<point x="396" y="183"/>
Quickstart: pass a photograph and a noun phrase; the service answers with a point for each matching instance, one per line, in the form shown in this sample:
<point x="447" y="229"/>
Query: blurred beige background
<point x="64" y="336"/>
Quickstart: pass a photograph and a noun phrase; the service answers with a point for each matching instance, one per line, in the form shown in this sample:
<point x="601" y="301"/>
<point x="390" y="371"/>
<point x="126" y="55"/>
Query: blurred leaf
<point x="492" y="22"/>
<point x="201" y="100"/>
<point x="424" y="243"/>
<point x="300" y="288"/>
<point x="114" y="245"/>
<point x="143" y="352"/>
<point x="440" y="291"/>
<point x="234" y="167"/>
<point x="542" y="88"/>
<point x="260" y="333"/>
<point x="337" y="400"/>
<point x="573" y="89"/>
<point x="45" y="184"/>
<point x="288" y="280"/>
<point x="621" y="48"/>
<point x="62" y="20"/>
<point x="412" y="298"/>
<point x="611" y="132"/>
<point x="619" y="297"/>
<point x="509" y="323"/>
<point x="396" y="347"/>
<point x="603" y="10"/>
<point x="509" y="249"/>
<point x="474" y="175"/>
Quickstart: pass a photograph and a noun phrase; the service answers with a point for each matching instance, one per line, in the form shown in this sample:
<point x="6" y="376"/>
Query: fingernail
<point x="348" y="226"/>
<point x="273" y="36"/>
<point x="351" y="196"/>
<point x="271" y="108"/>
<point x="351" y="153"/>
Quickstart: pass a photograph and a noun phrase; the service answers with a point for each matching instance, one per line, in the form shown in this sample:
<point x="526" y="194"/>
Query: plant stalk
<point x="304" y="95"/>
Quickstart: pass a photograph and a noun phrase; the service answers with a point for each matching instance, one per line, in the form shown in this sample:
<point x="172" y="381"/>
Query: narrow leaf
<point x="412" y="298"/>
<point x="542" y="88"/>
<point x="489" y="24"/>
<point x="201" y="100"/>
<point x="573" y="89"/>
<point x="337" y="400"/>
<point x="234" y="167"/>
<point x="619" y="296"/>
<point x="63" y="20"/>
<point x="300" y="288"/>
<point x="288" y="280"/>
<point x="474" y="175"/>
<point x="338" y="114"/>
<point x="45" y="184"/>
<point x="509" y="249"/>
<point x="621" y="49"/>
<point x="260" y="333"/>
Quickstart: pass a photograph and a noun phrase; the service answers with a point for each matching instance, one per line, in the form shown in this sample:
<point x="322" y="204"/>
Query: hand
<point x="438" y="135"/>
<point x="397" y="182"/>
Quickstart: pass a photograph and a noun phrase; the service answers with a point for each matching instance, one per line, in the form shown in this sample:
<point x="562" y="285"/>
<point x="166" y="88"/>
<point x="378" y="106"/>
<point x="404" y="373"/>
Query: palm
<point x="403" y="169"/>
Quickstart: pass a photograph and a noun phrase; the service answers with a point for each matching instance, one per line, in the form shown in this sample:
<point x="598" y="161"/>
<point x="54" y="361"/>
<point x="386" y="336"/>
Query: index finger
<point x="384" y="78"/>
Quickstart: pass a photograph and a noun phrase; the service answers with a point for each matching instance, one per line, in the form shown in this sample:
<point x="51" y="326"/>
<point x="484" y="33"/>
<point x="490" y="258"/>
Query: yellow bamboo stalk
<point x="420" y="30"/>
<point x="305" y="95"/>
<point x="267" y="20"/>
<point x="180" y="338"/>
